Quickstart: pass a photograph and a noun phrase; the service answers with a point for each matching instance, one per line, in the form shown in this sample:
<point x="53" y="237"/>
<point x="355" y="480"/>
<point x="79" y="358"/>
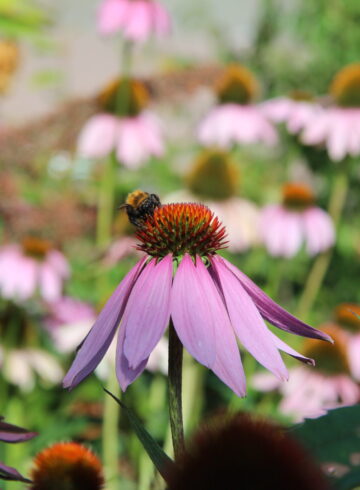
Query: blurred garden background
<point x="252" y="108"/>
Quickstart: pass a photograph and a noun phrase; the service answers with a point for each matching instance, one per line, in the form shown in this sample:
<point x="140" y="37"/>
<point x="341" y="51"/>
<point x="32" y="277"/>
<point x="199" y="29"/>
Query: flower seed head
<point x="331" y="359"/>
<point x="214" y="175"/>
<point x="67" y="466"/>
<point x="181" y="228"/>
<point x="237" y="85"/>
<point x="297" y="196"/>
<point x="124" y="97"/>
<point x="345" y="87"/>
<point x="348" y="316"/>
<point x="36" y="247"/>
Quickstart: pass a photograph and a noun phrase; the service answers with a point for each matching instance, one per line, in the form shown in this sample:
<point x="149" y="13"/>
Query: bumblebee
<point x="139" y="206"/>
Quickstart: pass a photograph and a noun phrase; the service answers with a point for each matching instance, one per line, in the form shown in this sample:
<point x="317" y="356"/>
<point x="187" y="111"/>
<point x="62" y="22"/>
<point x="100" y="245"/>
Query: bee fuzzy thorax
<point x="140" y="205"/>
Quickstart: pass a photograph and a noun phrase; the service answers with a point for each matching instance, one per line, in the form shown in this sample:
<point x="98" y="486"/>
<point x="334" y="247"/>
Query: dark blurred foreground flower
<point x="12" y="433"/>
<point x="245" y="453"/>
<point x="67" y="466"/>
<point x="211" y="304"/>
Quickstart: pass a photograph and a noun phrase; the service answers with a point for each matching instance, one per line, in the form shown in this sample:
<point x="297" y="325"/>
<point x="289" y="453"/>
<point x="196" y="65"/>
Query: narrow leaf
<point x="160" y="459"/>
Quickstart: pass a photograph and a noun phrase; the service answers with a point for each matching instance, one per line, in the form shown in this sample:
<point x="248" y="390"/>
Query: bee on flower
<point x="182" y="279"/>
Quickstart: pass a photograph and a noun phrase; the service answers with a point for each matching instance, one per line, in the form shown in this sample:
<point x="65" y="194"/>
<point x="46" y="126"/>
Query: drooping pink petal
<point x="354" y="356"/>
<point x="97" y="138"/>
<point x="147" y="311"/>
<point x="292" y="352"/>
<point x="59" y="262"/>
<point x="27" y="278"/>
<point x="195" y="310"/>
<point x="50" y="282"/>
<point x="130" y="149"/>
<point x="101" y="334"/>
<point x="125" y="374"/>
<point x="150" y="130"/>
<point x="281" y="231"/>
<point x="319" y="230"/>
<point x="161" y="19"/>
<point x="271" y="311"/>
<point x="112" y="15"/>
<point x="139" y="24"/>
<point x="228" y="366"/>
<point x="247" y="322"/>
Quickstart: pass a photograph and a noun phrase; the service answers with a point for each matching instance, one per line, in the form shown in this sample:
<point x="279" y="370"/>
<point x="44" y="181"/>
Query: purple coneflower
<point x="12" y="433"/>
<point x="237" y="119"/>
<point x="285" y="226"/>
<point x="123" y="126"/>
<point x="34" y="265"/>
<point x="338" y="126"/>
<point x="295" y="111"/>
<point x="310" y="393"/>
<point x="136" y="19"/>
<point x="210" y="302"/>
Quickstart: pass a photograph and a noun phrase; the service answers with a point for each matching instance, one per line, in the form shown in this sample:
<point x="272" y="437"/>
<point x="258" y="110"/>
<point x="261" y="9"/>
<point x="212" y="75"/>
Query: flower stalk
<point x="175" y="395"/>
<point x="322" y="262"/>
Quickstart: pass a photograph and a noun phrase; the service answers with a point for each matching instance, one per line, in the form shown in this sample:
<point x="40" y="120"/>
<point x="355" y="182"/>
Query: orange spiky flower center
<point x="348" y="316"/>
<point x="237" y="86"/>
<point x="330" y="359"/>
<point x="297" y="196"/>
<point x="67" y="466"/>
<point x="214" y="175"/>
<point x="124" y="97"/>
<point x="36" y="247"/>
<point x="345" y="87"/>
<point x="181" y="228"/>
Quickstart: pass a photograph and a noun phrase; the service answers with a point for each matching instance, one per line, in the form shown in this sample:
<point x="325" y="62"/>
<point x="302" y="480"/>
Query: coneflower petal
<point x="292" y="352"/>
<point x="195" y="310"/>
<point x="125" y="374"/>
<point x="271" y="311"/>
<point x="101" y="334"/>
<point x="11" y="474"/>
<point x="147" y="311"/>
<point x="247" y="322"/>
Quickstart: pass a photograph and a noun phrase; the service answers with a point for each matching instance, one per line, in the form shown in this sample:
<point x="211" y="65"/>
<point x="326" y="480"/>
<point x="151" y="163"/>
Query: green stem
<point x="322" y="262"/>
<point x="110" y="446"/>
<point x="106" y="202"/>
<point x="175" y="398"/>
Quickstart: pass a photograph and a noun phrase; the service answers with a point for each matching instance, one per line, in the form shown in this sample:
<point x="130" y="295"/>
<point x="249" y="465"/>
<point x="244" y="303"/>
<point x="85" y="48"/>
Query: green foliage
<point x="334" y="439"/>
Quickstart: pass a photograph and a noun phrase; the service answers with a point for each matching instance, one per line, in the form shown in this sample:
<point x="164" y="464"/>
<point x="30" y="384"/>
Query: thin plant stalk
<point x="322" y="262"/>
<point x="110" y="446"/>
<point x="175" y="391"/>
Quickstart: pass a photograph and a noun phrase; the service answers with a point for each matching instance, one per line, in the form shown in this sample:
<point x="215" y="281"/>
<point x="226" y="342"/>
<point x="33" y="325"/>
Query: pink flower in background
<point x="121" y="248"/>
<point x="34" y="266"/>
<point x="20" y="366"/>
<point x="284" y="227"/>
<point x="309" y="393"/>
<point x="338" y="126"/>
<point x="237" y="119"/>
<point x="134" y="139"/>
<point x="228" y="124"/>
<point x="136" y="19"/>
<point x="296" y="114"/>
<point x="211" y="304"/>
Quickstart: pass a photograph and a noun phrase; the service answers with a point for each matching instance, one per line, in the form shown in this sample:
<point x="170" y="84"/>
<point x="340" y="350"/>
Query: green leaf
<point x="332" y="438"/>
<point x="160" y="459"/>
<point x="350" y="481"/>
